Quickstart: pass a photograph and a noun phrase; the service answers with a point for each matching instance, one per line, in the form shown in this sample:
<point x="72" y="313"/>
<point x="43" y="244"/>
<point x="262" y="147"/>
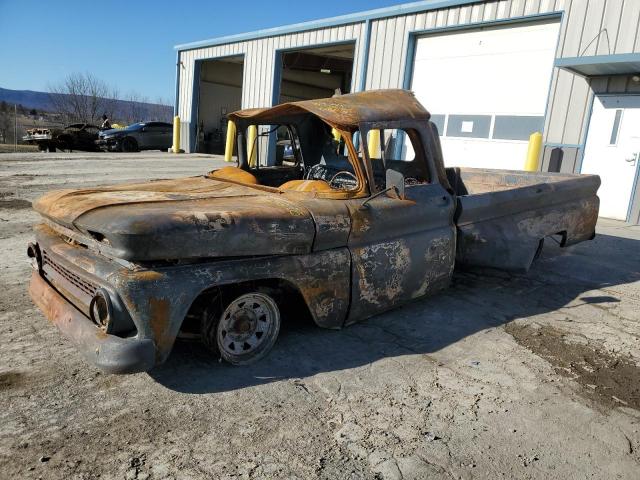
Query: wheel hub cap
<point x="245" y="323"/>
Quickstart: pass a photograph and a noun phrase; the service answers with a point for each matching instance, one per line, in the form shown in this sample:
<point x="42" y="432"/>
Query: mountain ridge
<point x="33" y="99"/>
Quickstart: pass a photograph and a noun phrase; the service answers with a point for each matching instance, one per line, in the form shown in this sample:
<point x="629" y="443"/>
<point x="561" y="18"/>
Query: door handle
<point x="633" y="159"/>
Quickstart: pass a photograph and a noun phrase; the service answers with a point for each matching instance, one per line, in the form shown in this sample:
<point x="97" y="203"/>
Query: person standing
<point x="106" y="123"/>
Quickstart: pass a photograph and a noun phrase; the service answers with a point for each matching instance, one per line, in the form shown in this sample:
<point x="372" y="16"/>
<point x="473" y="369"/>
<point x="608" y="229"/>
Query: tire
<point x="52" y="149"/>
<point x="129" y="144"/>
<point x="245" y="331"/>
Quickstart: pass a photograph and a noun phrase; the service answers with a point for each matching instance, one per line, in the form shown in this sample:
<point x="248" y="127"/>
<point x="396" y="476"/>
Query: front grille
<point x="67" y="275"/>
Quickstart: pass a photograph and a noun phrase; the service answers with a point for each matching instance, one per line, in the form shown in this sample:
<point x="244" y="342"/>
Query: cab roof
<point x="346" y="112"/>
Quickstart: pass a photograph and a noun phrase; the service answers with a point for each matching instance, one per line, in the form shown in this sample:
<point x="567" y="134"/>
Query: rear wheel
<point x="245" y="331"/>
<point x="129" y="144"/>
<point x="65" y="143"/>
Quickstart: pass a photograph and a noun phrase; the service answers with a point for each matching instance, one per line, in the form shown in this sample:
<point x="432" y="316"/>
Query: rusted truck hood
<point x="196" y="217"/>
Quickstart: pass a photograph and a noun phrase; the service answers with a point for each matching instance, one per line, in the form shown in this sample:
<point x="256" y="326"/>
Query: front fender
<point x="159" y="299"/>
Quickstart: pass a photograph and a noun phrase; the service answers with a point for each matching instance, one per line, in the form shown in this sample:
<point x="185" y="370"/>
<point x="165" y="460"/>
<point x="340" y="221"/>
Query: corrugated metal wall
<point x="589" y="27"/>
<point x="593" y="27"/>
<point x="259" y="65"/>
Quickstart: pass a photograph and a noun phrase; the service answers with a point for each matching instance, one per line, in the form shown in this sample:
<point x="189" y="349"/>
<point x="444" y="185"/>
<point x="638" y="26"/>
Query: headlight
<point x="33" y="252"/>
<point x="101" y="310"/>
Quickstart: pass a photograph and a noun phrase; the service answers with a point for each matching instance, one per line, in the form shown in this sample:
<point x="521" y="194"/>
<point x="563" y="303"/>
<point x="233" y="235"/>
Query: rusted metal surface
<point x="157" y="300"/>
<point x="110" y="353"/>
<point x="502" y="215"/>
<point x="158" y="248"/>
<point x="346" y="112"/>
<point x="181" y="219"/>
<point x="401" y="249"/>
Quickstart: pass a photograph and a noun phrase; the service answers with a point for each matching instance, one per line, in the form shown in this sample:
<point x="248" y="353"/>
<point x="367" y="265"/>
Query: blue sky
<point x="129" y="44"/>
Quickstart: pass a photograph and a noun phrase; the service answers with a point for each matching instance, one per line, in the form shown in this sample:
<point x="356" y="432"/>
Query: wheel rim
<point x="246" y="324"/>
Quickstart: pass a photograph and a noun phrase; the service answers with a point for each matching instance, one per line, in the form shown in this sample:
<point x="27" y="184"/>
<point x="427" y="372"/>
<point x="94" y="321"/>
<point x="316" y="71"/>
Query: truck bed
<point x="502" y="216"/>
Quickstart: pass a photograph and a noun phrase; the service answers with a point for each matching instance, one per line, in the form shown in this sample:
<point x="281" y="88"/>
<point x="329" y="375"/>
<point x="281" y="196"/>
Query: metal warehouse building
<point x="490" y="73"/>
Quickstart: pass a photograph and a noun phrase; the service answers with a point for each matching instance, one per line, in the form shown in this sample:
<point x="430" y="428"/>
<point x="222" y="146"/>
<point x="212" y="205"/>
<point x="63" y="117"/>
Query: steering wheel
<point x="314" y="172"/>
<point x="343" y="173"/>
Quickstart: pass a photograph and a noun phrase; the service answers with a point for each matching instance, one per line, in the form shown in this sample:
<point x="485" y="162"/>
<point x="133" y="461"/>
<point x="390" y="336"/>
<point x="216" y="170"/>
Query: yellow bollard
<point x="373" y="143"/>
<point x="231" y="136"/>
<point x="251" y="144"/>
<point x="176" y="135"/>
<point x="533" y="152"/>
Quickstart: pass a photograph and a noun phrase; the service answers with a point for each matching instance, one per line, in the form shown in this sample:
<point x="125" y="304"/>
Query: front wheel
<point x="247" y="329"/>
<point x="129" y="145"/>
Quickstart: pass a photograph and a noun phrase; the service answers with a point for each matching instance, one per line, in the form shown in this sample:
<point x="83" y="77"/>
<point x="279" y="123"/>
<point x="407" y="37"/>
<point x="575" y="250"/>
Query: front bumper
<point x="109" y="144"/>
<point x="109" y="353"/>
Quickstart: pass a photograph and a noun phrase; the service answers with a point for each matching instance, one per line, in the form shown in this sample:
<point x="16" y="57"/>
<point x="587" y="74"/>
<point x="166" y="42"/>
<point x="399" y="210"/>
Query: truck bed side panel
<point x="502" y="227"/>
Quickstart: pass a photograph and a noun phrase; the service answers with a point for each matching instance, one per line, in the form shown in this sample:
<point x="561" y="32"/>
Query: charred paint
<point x="381" y="268"/>
<point x="503" y="215"/>
<point x="346" y="112"/>
<point x="159" y="321"/>
<point x="439" y="260"/>
<point x="155" y="247"/>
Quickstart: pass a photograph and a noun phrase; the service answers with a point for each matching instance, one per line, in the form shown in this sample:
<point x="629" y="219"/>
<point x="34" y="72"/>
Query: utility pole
<point x="15" y="127"/>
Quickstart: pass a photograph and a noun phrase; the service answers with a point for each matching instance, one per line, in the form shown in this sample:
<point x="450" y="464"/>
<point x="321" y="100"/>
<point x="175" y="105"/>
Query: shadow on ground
<point x="476" y="301"/>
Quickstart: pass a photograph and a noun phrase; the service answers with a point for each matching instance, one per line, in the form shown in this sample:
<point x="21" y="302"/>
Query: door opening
<point x="220" y="93"/>
<point x="318" y="72"/>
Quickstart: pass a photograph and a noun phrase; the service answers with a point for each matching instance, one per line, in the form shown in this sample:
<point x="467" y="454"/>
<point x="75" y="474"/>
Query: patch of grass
<point x="7" y="148"/>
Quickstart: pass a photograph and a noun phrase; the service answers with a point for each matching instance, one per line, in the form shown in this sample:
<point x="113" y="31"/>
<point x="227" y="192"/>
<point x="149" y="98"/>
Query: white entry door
<point x="613" y="151"/>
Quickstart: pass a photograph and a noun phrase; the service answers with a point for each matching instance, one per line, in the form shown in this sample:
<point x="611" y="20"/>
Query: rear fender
<point x="510" y="242"/>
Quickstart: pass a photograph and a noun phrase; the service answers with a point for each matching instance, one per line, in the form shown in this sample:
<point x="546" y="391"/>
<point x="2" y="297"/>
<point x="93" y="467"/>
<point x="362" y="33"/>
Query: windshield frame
<point x="293" y="121"/>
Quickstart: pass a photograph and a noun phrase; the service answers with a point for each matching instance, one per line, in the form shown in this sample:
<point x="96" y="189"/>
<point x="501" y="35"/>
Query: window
<point x="327" y="158"/>
<point x="472" y="126"/>
<point x="306" y="155"/>
<point x="516" y="127"/>
<point x="400" y="150"/>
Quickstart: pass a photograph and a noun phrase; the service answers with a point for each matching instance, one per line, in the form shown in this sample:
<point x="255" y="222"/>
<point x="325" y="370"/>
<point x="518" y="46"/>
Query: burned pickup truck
<point x="78" y="136"/>
<point x="332" y="231"/>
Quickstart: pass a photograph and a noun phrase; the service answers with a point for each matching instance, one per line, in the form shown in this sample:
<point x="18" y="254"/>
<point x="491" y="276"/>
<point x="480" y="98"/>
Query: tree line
<point x="84" y="98"/>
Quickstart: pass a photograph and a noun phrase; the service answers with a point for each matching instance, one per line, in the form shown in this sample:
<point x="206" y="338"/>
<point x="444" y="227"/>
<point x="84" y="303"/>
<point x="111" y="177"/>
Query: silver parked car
<point x="139" y="136"/>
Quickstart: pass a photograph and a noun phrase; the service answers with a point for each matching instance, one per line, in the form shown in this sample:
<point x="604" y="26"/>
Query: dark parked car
<point x="78" y="136"/>
<point x="139" y="136"/>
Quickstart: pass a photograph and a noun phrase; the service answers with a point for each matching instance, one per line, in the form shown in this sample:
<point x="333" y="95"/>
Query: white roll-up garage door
<point x="487" y="90"/>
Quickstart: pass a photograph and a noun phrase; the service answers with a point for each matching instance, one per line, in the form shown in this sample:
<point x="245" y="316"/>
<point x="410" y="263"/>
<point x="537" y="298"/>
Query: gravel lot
<point x="514" y="376"/>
